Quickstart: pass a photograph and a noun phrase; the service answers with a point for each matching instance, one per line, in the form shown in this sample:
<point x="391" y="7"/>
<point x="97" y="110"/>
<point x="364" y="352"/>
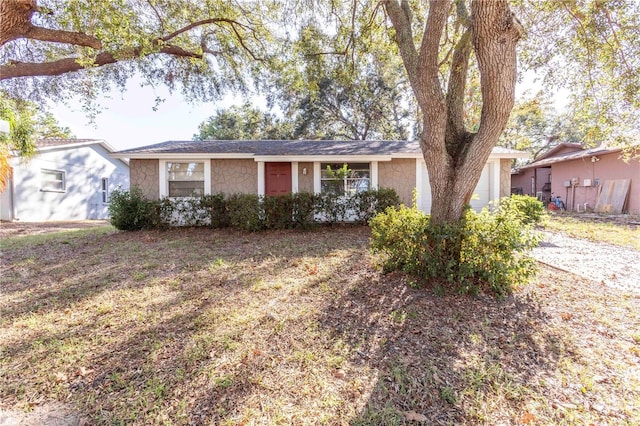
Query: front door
<point x="278" y="178"/>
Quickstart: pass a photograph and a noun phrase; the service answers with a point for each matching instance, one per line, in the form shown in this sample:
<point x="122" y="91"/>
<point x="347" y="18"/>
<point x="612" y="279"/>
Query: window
<point x="185" y="179"/>
<point x="104" y="189"/>
<point x="345" y="179"/>
<point x="52" y="180"/>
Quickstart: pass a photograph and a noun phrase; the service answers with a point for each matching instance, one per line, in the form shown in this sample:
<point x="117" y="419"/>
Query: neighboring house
<point x="576" y="175"/>
<point x="67" y="179"/>
<point x="272" y="167"/>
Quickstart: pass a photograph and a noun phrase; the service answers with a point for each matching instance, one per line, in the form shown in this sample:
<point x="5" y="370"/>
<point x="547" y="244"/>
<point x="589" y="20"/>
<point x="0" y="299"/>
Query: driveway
<point x="610" y="265"/>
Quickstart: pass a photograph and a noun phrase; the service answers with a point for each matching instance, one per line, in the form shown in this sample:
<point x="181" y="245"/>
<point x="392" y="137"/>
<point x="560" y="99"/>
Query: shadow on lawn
<point x="452" y="359"/>
<point x="220" y="338"/>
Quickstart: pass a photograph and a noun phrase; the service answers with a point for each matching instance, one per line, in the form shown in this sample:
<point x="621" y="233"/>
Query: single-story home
<point x="67" y="179"/>
<point x="272" y="167"/>
<point x="600" y="178"/>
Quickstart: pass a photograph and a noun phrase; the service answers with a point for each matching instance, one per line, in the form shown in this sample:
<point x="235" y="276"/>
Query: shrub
<point x="483" y="251"/>
<point x="216" y="205"/>
<point x="278" y="211"/>
<point x="131" y="211"/>
<point x="245" y="212"/>
<point x="303" y="210"/>
<point x="367" y="204"/>
<point x="529" y="209"/>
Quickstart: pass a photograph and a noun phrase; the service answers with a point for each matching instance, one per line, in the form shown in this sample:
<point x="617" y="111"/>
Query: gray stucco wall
<point x="399" y="174"/>
<point x="505" y="177"/>
<point x="145" y="174"/>
<point x="234" y="176"/>
<point x="305" y="183"/>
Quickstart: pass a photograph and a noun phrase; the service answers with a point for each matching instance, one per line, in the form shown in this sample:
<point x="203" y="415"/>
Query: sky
<point x="128" y="120"/>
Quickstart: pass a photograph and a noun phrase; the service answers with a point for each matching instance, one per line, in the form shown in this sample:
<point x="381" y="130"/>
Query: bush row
<point x="486" y="250"/>
<point x="130" y="210"/>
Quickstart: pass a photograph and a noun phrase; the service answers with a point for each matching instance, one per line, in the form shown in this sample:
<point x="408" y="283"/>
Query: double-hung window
<point x="185" y="179"/>
<point x="345" y="178"/>
<point x="52" y="180"/>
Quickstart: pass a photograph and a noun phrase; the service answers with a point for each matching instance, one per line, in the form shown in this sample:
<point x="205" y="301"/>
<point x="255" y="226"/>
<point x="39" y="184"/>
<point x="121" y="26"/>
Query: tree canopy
<point x="244" y="123"/>
<point x="324" y="59"/>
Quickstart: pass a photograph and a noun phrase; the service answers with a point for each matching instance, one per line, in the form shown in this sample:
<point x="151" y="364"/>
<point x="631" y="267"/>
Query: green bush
<point x="529" y="209"/>
<point x="369" y="203"/>
<point x="251" y="212"/>
<point x="483" y="251"/>
<point x="131" y="211"/>
<point x="245" y="212"/>
<point x="278" y="211"/>
<point x="216" y="205"/>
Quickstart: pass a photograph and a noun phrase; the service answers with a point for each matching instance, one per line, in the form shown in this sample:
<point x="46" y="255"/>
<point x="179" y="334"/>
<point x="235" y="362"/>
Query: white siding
<point x="84" y="168"/>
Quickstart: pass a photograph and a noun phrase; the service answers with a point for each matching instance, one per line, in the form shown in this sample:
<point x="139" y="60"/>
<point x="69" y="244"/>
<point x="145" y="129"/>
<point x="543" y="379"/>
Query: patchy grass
<point x="193" y="326"/>
<point x="619" y="230"/>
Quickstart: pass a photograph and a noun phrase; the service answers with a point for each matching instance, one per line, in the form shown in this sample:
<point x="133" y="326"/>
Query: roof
<point x="55" y="142"/>
<point x="570" y="147"/>
<point x="43" y="145"/>
<point x="568" y="156"/>
<point x="290" y="148"/>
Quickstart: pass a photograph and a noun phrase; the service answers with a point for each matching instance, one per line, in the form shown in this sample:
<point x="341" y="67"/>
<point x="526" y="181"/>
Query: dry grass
<point x="620" y="230"/>
<point x="220" y="327"/>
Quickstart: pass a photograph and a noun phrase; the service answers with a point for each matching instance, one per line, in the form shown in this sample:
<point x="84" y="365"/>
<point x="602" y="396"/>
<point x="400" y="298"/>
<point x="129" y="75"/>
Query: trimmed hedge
<point x="250" y="212"/>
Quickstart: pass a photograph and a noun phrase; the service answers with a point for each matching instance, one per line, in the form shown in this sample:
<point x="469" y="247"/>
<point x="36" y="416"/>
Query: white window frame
<point x="347" y="179"/>
<point x="164" y="179"/>
<point x="62" y="180"/>
<point x="104" y="190"/>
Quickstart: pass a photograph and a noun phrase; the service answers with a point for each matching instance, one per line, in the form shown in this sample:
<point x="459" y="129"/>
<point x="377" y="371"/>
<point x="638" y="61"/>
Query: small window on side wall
<point x="104" y="189"/>
<point x="52" y="180"/>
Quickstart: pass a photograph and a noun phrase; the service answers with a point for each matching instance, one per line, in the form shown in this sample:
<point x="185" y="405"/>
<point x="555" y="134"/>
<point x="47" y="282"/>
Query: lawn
<point x="196" y="326"/>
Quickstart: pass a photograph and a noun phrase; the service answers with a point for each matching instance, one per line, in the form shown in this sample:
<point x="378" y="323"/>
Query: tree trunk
<point x="454" y="157"/>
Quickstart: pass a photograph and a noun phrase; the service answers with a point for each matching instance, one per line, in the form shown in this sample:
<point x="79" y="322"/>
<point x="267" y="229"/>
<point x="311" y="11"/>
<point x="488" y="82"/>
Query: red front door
<point x="278" y="178"/>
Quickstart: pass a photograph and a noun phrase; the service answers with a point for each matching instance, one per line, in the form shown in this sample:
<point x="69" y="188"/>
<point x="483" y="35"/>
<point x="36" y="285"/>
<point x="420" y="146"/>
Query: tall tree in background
<point x="51" y="48"/>
<point x="244" y="123"/>
<point x="352" y="89"/>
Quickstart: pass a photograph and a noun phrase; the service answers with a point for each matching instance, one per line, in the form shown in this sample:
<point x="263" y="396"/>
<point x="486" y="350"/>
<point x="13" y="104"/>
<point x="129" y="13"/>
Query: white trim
<point x="207" y="177"/>
<point x="374" y="174"/>
<point x="323" y="158"/>
<point x="261" y="178"/>
<point x="419" y="184"/>
<point x="162" y="175"/>
<point x="494" y="175"/>
<point x="294" y="177"/>
<point x="317" y="188"/>
<point x="179" y="156"/>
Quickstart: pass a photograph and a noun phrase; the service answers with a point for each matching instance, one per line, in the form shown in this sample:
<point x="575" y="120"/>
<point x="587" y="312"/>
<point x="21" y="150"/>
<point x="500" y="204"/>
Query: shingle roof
<point x="574" y="155"/>
<point x="289" y="148"/>
<point x="279" y="147"/>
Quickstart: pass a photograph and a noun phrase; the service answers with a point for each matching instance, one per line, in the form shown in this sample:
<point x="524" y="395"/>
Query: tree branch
<point x="457" y="84"/>
<point x="61" y="36"/>
<point x="62" y="66"/>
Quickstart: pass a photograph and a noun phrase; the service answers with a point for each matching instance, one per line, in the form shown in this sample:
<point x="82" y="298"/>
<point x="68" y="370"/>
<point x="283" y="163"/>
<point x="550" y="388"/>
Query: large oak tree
<point x="49" y="49"/>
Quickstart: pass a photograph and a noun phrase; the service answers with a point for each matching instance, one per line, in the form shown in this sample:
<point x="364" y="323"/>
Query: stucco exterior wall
<point x="234" y="176"/>
<point x="523" y="180"/>
<point x="609" y="166"/>
<point x="505" y="177"/>
<point x="305" y="183"/>
<point x="84" y="168"/>
<point x="145" y="174"/>
<point x="399" y="174"/>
